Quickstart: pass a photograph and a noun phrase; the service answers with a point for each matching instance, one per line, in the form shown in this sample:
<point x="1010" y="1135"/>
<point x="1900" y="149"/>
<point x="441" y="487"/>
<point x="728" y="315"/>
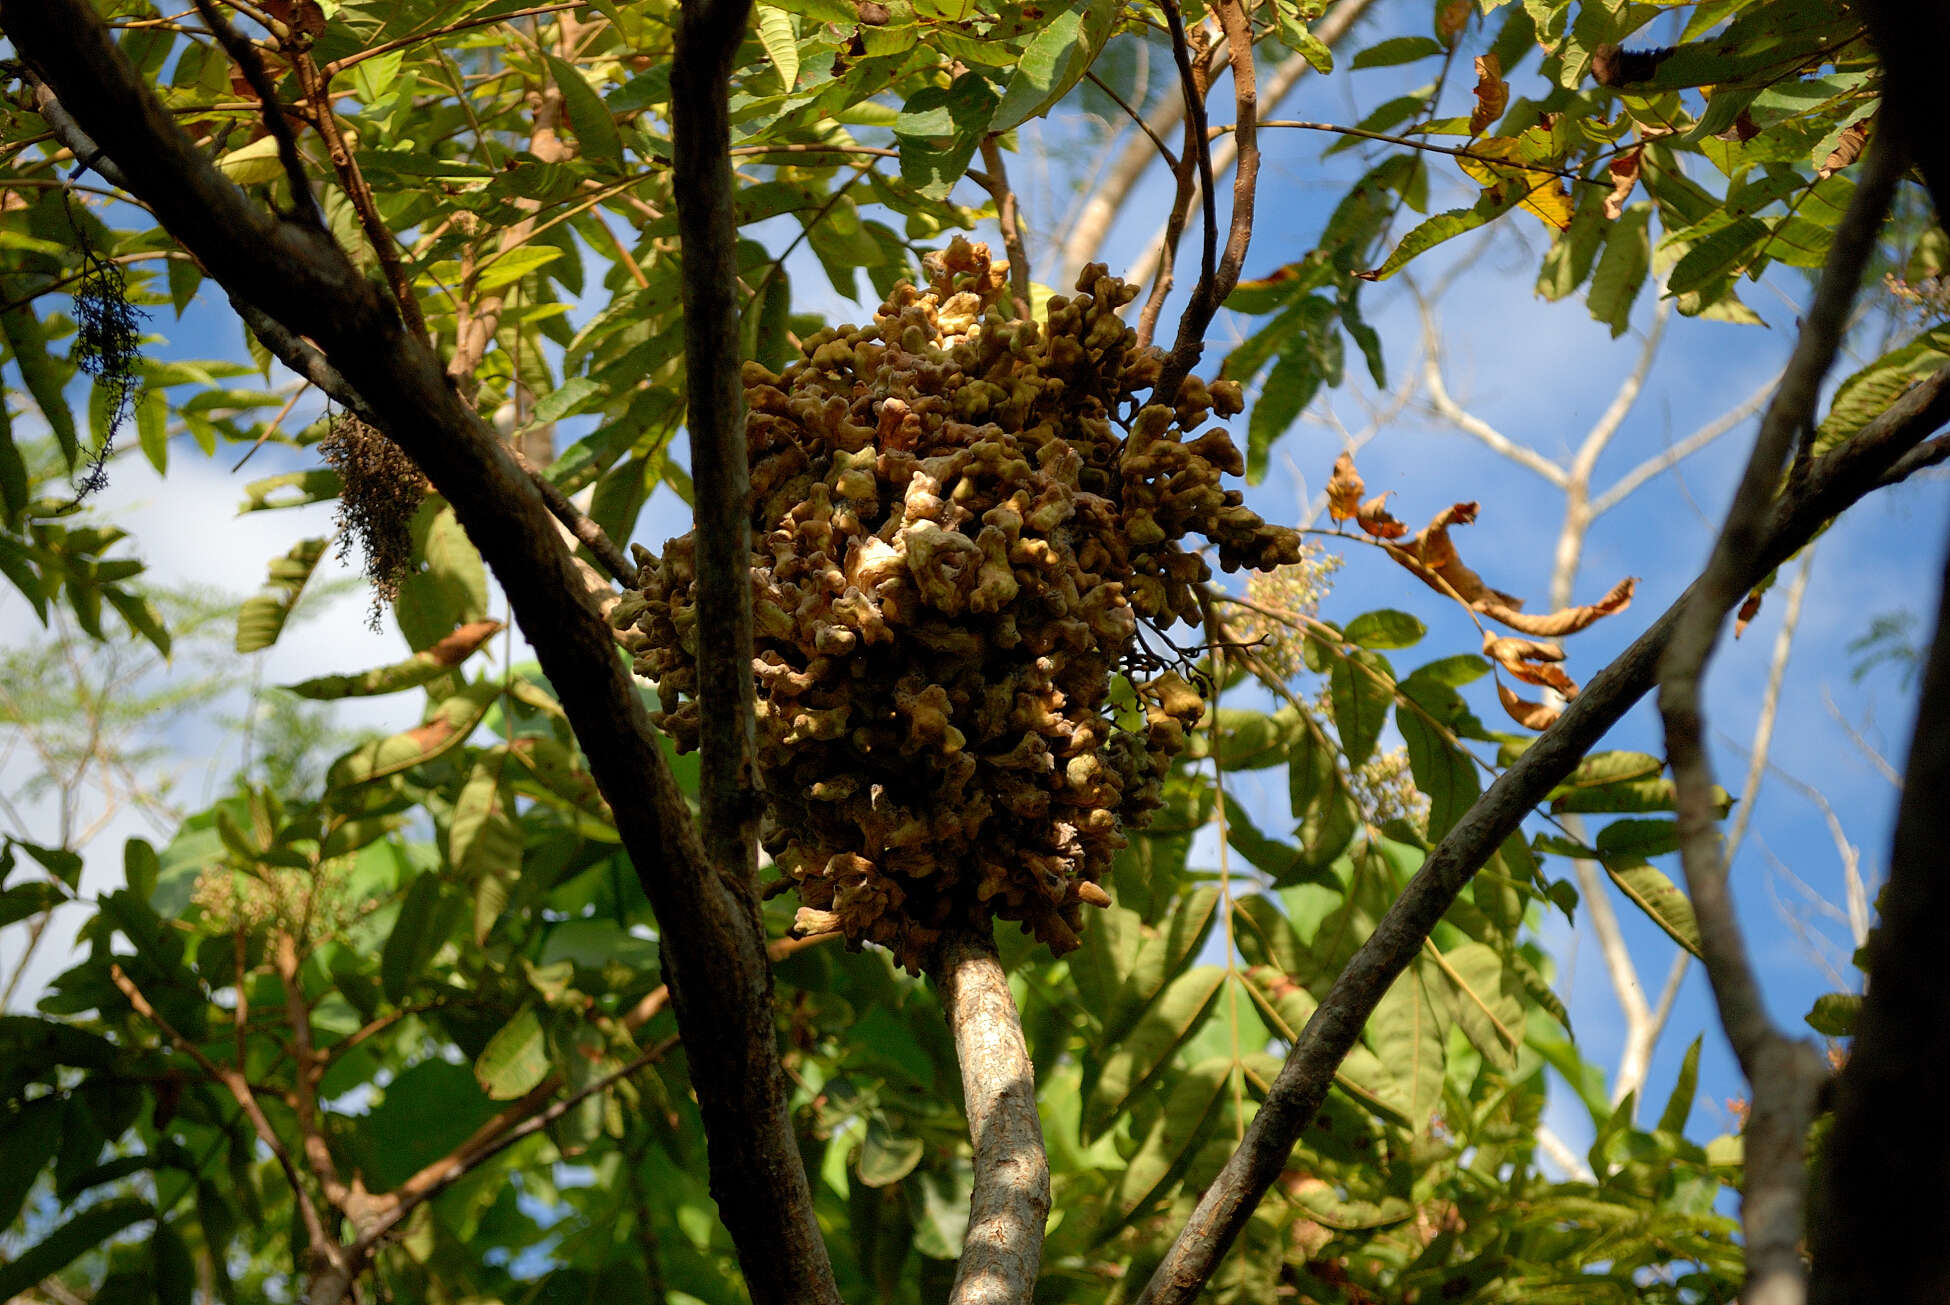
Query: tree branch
<point x="1784" y="1073"/>
<point x="1216" y="282"/>
<point x="324" y="1248"/>
<point x="714" y="951"/>
<point x="1456" y="415"/>
<point x="1009" y="217"/>
<point x="1837" y="480"/>
<point x="1107" y="200"/>
<point x="760" y="1183"/>
<point x="1003" y="1247"/>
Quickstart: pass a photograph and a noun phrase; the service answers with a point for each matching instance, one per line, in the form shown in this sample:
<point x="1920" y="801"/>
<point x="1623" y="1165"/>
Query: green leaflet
<point x="261" y="619"/>
<point x="1658" y="897"/>
<point x="515" y="1060"/>
<point x="1142" y="1053"/>
<point x="1621" y="269"/>
<point x="595" y="129"/>
<point x="85" y="1231"/>
<point x="1055" y="60"/>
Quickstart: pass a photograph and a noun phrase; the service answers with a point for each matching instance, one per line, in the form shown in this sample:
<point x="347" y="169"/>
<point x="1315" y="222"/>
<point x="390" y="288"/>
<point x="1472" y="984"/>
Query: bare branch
<point x="1010" y="1204"/>
<point x="1677" y="453"/>
<point x="1088" y="234"/>
<point x="1452" y="412"/>
<point x="1009" y="217"/>
<point x="1784" y="1073"/>
<point x="322" y="1245"/>
<point x="1216" y="282"/>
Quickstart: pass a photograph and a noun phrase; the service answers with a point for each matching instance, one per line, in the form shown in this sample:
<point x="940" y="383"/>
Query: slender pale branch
<point x="1003" y="1247"/>
<point x="1468" y="422"/>
<point x="1677" y="453"/>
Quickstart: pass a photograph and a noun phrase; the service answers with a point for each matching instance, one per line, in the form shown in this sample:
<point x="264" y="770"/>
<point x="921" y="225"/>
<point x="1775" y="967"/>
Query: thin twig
<point x="1009" y="217"/>
<point x="1216" y="282"/>
<point x="251" y="63"/>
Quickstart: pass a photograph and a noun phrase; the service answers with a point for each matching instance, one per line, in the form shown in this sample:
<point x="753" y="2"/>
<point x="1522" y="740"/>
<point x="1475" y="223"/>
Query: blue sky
<point x="1541" y="373"/>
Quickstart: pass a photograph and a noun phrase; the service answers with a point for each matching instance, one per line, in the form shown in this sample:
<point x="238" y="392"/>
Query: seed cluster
<point x="960" y="522"/>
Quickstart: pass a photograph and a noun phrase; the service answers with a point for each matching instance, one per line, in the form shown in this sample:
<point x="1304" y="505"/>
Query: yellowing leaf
<point x="1542" y="193"/>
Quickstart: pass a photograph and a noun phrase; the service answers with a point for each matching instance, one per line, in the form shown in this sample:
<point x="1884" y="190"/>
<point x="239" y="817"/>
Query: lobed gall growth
<point x="959" y="523"/>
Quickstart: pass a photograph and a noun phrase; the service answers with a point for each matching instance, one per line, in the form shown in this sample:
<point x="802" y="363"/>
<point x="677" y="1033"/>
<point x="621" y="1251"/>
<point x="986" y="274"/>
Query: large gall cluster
<point x="959" y="523"/>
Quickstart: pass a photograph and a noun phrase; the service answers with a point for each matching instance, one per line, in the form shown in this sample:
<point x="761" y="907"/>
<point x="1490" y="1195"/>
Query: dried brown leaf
<point x="1492" y="93"/>
<point x="1744" y="129"/>
<point x="1569" y="620"/>
<point x="1748" y="611"/>
<point x="462" y="643"/>
<point x="1373" y="517"/>
<point x="1530" y="715"/>
<point x="1624" y="176"/>
<point x="1848" y="149"/>
<point x="1531" y="662"/>
<point x="1344" y="490"/>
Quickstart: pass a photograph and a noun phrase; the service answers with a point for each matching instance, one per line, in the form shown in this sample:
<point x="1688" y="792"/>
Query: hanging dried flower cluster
<point x="954" y="548"/>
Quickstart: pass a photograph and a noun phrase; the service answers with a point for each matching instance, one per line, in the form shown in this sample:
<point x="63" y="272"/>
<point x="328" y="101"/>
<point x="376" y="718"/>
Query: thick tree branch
<point x="1785" y="1073"/>
<point x="1837" y="480"/>
<point x="760" y="1184"/>
<point x="1877" y="1233"/>
<point x="1010" y="1204"/>
<point x="713" y="949"/>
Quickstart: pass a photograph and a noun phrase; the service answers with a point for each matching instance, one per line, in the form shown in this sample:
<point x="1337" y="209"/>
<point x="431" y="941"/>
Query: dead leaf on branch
<point x="1431" y="557"/>
<point x="1344" y="502"/>
<point x="1748" y="611"/>
<point x="1530" y="715"/>
<point x="1492" y="93"/>
<point x="1848" y="149"/>
<point x="1624" y="176"/>
<point x="1541" y="191"/>
<point x="1530" y="661"/>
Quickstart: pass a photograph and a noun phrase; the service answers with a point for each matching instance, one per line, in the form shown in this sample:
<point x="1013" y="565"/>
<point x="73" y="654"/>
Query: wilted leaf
<point x="1530" y="715"/>
<point x="1531" y="662"/>
<point x="418" y="669"/>
<point x="1344" y="490"/>
<point x="1624" y="172"/>
<point x="1749" y="609"/>
<point x="1848" y="149"/>
<point x="1492" y="93"/>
